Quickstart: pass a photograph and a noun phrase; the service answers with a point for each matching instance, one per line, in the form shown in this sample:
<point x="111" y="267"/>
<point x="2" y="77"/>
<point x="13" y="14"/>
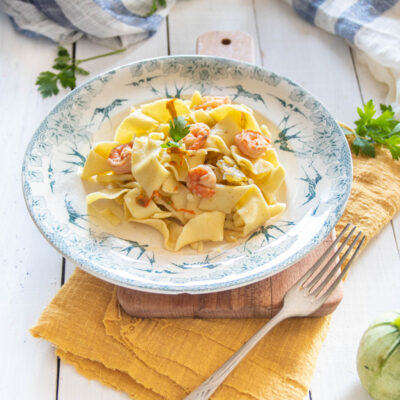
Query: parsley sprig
<point x="383" y="130"/>
<point x="65" y="72"/>
<point x="178" y="129"/>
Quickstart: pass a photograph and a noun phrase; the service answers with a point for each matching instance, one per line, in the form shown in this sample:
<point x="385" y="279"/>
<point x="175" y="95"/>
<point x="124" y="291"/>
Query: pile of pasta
<point x="154" y="188"/>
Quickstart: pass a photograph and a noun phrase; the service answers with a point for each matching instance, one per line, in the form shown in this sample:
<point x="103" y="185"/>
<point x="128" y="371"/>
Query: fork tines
<point x="314" y="286"/>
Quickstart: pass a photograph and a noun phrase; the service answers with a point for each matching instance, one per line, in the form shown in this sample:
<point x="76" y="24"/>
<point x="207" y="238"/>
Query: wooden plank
<point x="209" y="15"/>
<point x="310" y="56"/>
<point x="230" y="44"/>
<point x="30" y="266"/>
<point x="156" y="46"/>
<point x="396" y="228"/>
<point x="369" y="87"/>
<point x="73" y="386"/>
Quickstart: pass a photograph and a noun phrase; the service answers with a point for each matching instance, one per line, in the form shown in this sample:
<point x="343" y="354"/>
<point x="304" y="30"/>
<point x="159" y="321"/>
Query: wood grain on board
<point x="258" y="300"/>
<point x="237" y="45"/>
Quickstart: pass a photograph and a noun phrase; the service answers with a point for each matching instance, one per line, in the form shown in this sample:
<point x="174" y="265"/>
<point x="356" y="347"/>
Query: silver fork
<point x="302" y="299"/>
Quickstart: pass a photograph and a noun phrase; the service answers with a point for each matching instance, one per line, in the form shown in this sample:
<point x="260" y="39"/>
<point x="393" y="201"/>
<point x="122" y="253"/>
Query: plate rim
<point x="201" y="288"/>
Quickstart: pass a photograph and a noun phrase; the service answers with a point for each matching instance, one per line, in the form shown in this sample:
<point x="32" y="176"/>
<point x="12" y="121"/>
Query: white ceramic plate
<point x="310" y="145"/>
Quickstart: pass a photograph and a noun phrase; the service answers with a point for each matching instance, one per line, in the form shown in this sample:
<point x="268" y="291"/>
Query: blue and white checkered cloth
<point x="114" y="23"/>
<point x="372" y="27"/>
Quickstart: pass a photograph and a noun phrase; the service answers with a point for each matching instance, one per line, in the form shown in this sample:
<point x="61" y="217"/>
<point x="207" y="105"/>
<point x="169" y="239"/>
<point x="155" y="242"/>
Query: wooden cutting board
<point x="261" y="299"/>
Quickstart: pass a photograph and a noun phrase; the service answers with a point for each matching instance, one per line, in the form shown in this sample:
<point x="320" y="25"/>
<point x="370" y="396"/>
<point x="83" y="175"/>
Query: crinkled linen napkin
<point x="111" y="23"/>
<point x="371" y="27"/>
<point x="166" y="359"/>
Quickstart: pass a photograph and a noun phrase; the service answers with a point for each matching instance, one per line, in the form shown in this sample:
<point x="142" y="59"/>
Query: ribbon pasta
<point x="216" y="179"/>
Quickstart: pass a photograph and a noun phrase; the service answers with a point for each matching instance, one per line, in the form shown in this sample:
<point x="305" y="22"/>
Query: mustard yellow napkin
<point x="166" y="359"/>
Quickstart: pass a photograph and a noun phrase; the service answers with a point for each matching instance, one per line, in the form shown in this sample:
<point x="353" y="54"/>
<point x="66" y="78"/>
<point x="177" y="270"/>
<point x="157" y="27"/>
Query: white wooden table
<point x="32" y="271"/>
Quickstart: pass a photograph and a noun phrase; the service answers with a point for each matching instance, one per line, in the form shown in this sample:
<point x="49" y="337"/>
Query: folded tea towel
<point x="112" y="23"/>
<point x="372" y="27"/>
<point x="165" y="359"/>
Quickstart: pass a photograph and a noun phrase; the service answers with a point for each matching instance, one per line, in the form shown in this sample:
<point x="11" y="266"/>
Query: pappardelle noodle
<point x="196" y="170"/>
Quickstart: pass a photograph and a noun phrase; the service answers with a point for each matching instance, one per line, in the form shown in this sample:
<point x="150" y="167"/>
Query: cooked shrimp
<point x="212" y="102"/>
<point x="120" y="158"/>
<point x="252" y="144"/>
<point x="197" y="136"/>
<point x="201" y="181"/>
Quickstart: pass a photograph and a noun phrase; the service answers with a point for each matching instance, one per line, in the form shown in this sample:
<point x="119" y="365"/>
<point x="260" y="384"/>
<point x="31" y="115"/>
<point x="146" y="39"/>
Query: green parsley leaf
<point x="393" y="144"/>
<point x="360" y="144"/>
<point x="396" y="129"/>
<point x="47" y="82"/>
<point x="383" y="107"/>
<point x="81" y="71"/>
<point x="62" y="52"/>
<point x="67" y="68"/>
<point x="170" y="143"/>
<point x="370" y="132"/>
<point x="63" y="56"/>
<point x="178" y="128"/>
<point x="67" y="78"/>
<point x="59" y="66"/>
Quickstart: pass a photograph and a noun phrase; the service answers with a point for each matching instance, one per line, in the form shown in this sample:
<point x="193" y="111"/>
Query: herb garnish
<point x="47" y="81"/>
<point x="383" y="130"/>
<point x="170" y="144"/>
<point x="178" y="129"/>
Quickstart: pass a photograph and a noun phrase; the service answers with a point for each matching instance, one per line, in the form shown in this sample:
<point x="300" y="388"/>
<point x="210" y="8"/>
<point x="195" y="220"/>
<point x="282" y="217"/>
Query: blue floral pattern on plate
<point x="310" y="145"/>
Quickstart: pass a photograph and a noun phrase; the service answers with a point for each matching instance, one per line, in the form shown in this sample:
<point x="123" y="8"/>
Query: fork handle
<point x="208" y="387"/>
